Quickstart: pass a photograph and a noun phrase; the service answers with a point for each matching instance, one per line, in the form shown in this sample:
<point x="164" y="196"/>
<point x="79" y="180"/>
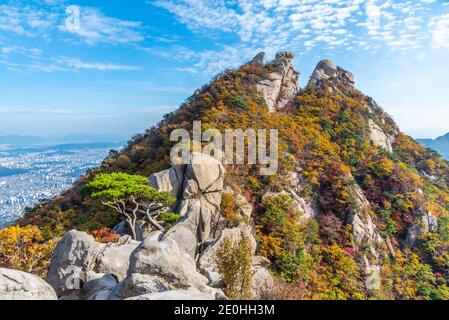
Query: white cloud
<point x="90" y="25"/>
<point x="373" y="16"/>
<point x="65" y="64"/>
<point x="77" y="64"/>
<point x="174" y="52"/>
<point x="301" y="25"/>
<point x="25" y="20"/>
<point x="25" y="51"/>
<point x="93" y="27"/>
<point x="440" y="31"/>
<point x="49" y="20"/>
<point x="44" y="67"/>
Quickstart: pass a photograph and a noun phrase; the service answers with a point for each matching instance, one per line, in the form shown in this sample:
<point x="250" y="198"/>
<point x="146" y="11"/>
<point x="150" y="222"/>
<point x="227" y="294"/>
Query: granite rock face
<point x="379" y="137"/>
<point x="18" y="285"/>
<point x="79" y="260"/>
<point x="164" y="259"/>
<point x="259" y="59"/>
<point x="326" y="72"/>
<point x="198" y="186"/>
<point x="427" y="222"/>
<point x="280" y="85"/>
<point x="186" y="294"/>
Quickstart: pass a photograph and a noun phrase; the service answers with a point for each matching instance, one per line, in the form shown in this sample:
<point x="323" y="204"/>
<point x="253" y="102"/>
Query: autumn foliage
<point x="324" y="135"/>
<point x="25" y="249"/>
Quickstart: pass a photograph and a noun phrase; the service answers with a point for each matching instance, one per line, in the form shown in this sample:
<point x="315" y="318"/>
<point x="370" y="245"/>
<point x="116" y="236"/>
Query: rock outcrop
<point x="84" y="269"/>
<point x="18" y="285"/>
<point x="427" y="222"/>
<point x="306" y="206"/>
<point x="372" y="276"/>
<point x="169" y="180"/>
<point x="327" y="73"/>
<point x="206" y="261"/>
<point x="262" y="279"/>
<point x="79" y="264"/>
<point x="280" y="85"/>
<point x="379" y="137"/>
<point x="259" y="59"/>
<point x="332" y="78"/>
<point x="197" y="186"/>
<point x="164" y="259"/>
<point x="244" y="208"/>
<point x="366" y="235"/>
<point x="363" y="228"/>
<point x="187" y="294"/>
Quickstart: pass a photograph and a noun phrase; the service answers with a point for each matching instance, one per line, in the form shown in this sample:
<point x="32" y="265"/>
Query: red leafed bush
<point x="105" y="235"/>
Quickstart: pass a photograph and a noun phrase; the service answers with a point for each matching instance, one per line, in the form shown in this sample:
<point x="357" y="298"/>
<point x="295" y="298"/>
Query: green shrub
<point x="237" y="102"/>
<point x="234" y="263"/>
<point x="169" y="219"/>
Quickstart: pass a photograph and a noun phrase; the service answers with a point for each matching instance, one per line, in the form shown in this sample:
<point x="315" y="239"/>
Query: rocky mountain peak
<point x="327" y="71"/>
<point x="285" y="55"/>
<point x="280" y="84"/>
<point x="367" y="198"/>
<point x="259" y="59"/>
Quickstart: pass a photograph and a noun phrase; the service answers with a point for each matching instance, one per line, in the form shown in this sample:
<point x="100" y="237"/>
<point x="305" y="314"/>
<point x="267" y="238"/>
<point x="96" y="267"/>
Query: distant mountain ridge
<point x="440" y="144"/>
<point x="70" y="146"/>
<point x="29" y="140"/>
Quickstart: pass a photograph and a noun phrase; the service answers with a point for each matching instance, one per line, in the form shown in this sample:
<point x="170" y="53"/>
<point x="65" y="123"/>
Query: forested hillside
<point x="358" y="209"/>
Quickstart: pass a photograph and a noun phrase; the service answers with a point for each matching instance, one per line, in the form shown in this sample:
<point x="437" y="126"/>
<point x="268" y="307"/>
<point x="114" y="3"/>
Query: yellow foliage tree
<point x="25" y="249"/>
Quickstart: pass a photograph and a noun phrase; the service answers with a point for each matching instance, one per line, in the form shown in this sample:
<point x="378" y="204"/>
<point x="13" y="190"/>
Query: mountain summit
<point x="357" y="210"/>
<point x="280" y="84"/>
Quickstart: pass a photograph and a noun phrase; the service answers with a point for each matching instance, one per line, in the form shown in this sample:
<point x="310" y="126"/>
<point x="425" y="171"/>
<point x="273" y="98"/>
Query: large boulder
<point x="262" y="281"/>
<point x="206" y="171"/>
<point x="169" y="180"/>
<point x="79" y="259"/>
<point x="74" y="255"/>
<point x="206" y="262"/>
<point x="188" y="232"/>
<point x="98" y="286"/>
<point x="326" y="72"/>
<point x="137" y="284"/>
<point x="158" y="265"/>
<point x="18" y="285"/>
<point x="164" y="259"/>
<point x="186" y="294"/>
<point x="114" y="258"/>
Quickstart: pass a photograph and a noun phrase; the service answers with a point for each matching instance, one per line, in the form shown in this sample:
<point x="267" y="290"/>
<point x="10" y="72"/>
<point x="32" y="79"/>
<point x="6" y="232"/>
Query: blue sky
<point x="123" y="64"/>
